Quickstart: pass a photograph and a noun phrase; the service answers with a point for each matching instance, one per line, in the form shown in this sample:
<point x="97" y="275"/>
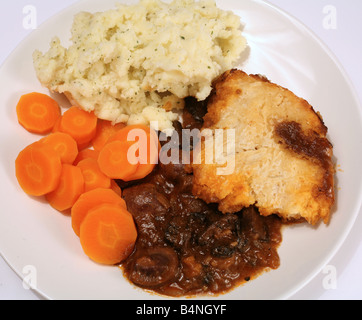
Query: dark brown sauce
<point x="186" y="247"/>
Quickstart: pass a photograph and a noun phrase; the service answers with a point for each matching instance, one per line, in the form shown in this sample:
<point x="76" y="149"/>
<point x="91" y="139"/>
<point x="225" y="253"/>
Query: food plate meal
<point x="250" y="181"/>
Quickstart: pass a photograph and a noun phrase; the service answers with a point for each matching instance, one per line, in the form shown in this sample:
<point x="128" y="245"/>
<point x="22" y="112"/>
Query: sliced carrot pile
<point x="80" y="124"/>
<point x="37" y="112"/>
<point x="115" y="160"/>
<point x="105" y="130"/>
<point x="85" y="154"/>
<point x="38" y="169"/>
<point x="73" y="177"/>
<point x="70" y="187"/>
<point x="93" y="177"/>
<point x="91" y="199"/>
<point x="108" y="234"/>
<point x="64" y="145"/>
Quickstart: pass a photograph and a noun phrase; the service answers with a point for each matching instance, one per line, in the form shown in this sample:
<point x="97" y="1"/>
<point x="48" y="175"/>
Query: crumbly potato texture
<point x="136" y="63"/>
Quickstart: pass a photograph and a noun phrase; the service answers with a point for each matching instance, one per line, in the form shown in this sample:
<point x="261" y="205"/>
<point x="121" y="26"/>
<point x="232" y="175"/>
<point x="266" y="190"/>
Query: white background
<point x="344" y="41"/>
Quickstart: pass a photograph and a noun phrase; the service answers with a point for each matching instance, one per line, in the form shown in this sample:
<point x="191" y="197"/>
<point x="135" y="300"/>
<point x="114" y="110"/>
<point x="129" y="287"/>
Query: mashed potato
<point x="136" y="63"/>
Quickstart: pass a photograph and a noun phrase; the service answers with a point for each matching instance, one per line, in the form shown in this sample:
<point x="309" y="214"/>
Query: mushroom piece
<point x="154" y="267"/>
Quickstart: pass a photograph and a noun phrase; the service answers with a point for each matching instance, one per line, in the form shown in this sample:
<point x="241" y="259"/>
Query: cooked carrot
<point x="142" y="171"/>
<point x="85" y="154"/>
<point x="56" y="127"/>
<point x="38" y="169"/>
<point x="70" y="188"/>
<point x="148" y="151"/>
<point x="80" y="124"/>
<point x="115" y="160"/>
<point x="135" y="133"/>
<point x="37" y="112"/>
<point x="147" y="154"/>
<point x="122" y="135"/>
<point x="93" y="177"/>
<point x="108" y="234"/>
<point x="64" y="145"/>
<point x="91" y="199"/>
<point x="116" y="188"/>
<point x="105" y="130"/>
<point x="84" y="146"/>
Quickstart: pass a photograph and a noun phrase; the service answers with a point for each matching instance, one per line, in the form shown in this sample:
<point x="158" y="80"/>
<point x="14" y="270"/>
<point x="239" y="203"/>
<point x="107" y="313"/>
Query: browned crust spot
<point x="312" y="147"/>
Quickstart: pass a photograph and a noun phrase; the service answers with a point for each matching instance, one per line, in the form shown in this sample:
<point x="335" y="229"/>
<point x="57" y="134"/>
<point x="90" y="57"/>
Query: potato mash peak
<point x="136" y="63"/>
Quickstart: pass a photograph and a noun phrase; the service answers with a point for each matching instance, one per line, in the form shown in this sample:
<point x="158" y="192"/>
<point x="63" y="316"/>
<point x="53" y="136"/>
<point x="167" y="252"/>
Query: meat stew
<point x="186" y="247"/>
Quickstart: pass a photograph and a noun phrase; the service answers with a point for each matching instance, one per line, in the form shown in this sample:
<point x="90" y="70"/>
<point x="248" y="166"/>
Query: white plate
<point x="33" y="235"/>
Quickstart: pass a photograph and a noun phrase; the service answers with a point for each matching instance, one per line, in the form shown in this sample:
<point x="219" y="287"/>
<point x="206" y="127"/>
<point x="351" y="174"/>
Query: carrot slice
<point x="85" y="154"/>
<point x="116" y="162"/>
<point x="148" y="152"/>
<point x="105" y="130"/>
<point x="93" y="177"/>
<point x="128" y="133"/>
<point x="80" y="124"/>
<point x="56" y="127"/>
<point x="38" y="169"/>
<point x="116" y="188"/>
<point x="37" y="112"/>
<point x="64" y="145"/>
<point x="108" y="234"/>
<point x="71" y="186"/>
<point x="89" y="200"/>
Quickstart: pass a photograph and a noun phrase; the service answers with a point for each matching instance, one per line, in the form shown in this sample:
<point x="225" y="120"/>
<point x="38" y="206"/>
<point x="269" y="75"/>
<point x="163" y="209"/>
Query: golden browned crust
<point x="283" y="160"/>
